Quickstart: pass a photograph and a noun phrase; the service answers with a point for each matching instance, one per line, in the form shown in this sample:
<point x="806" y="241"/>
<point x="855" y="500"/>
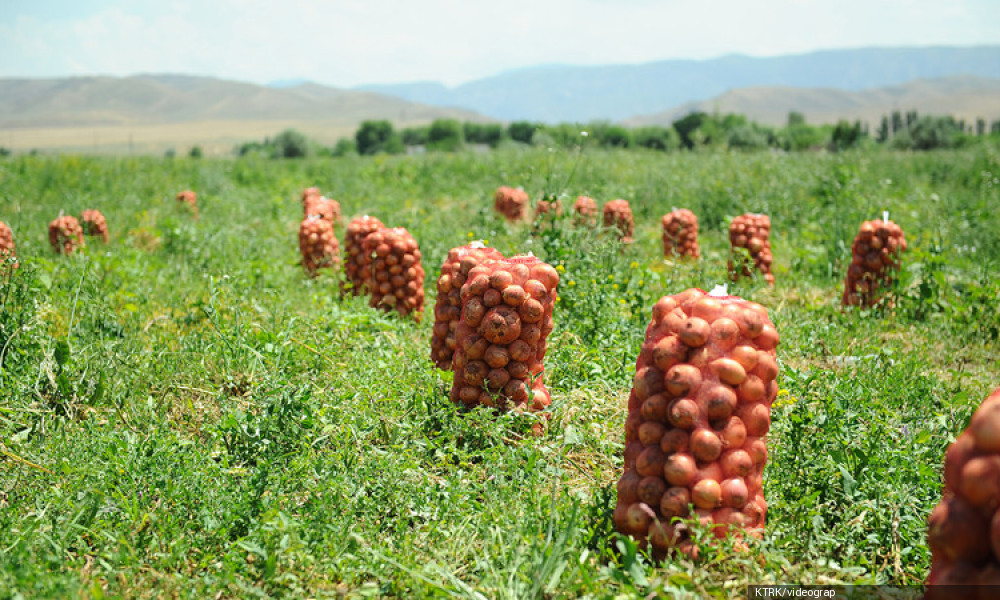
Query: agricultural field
<point x="184" y="413"/>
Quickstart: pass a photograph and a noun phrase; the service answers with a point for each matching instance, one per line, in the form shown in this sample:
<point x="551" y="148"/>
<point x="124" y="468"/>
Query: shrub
<point x="291" y="144"/>
<point x="445" y="135"/>
<point x="373" y="137"/>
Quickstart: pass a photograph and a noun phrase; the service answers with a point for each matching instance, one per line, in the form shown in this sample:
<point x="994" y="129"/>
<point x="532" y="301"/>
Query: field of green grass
<point x="184" y="414"/>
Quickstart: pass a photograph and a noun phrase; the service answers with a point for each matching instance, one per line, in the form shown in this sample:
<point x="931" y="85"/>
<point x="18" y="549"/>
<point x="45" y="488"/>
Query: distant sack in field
<point x="448" y="307"/>
<point x="94" y="224"/>
<point x="963" y="531"/>
<point x="397" y="276"/>
<point x="501" y="340"/>
<point x="585" y="211"/>
<point x="357" y="266"/>
<point x="189" y="199"/>
<point x="315" y="204"/>
<point x="752" y="233"/>
<point x="66" y="235"/>
<point x="698" y="417"/>
<point x="511" y="203"/>
<point x="548" y="206"/>
<point x="680" y="234"/>
<point x="318" y="245"/>
<point x="618" y="216"/>
<point x="7" y="248"/>
<point x="874" y="260"/>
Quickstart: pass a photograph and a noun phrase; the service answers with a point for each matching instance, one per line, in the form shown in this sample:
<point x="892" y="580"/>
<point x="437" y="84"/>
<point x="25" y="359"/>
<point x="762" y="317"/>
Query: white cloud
<point x="348" y="42"/>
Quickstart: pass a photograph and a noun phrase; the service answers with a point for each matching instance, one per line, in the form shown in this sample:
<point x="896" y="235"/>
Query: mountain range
<point x="561" y="93"/>
<point x="151" y="113"/>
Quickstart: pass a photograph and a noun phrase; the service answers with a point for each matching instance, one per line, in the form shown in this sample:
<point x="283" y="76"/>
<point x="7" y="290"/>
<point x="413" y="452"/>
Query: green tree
<point x="883" y="130"/>
<point x="656" y="138"/>
<point x="897" y="122"/>
<point x="686" y="126"/>
<point x="846" y="135"/>
<point x="796" y="118"/>
<point x="373" y="137"/>
<point x="290" y="144"/>
<point x="415" y="136"/>
<point x="747" y="137"/>
<point x="446" y="135"/>
<point x="344" y="147"/>
<point x="483" y="133"/>
<point x="522" y="131"/>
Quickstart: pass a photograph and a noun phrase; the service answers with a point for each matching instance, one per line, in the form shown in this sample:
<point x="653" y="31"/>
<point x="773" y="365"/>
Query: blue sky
<point x="352" y="42"/>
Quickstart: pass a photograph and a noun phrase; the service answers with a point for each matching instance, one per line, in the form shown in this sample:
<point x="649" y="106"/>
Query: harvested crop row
<point x="751" y="232"/>
<point x="874" y="258"/>
<point x="680" y="234"/>
<point x="396" y="275"/>
<point x="698" y="415"/>
<point x="501" y="340"/>
<point x="448" y="307"/>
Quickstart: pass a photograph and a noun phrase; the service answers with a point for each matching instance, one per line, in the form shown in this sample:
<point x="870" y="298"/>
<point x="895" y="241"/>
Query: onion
<point x="736" y="463"/>
<point x="682" y="380"/>
<point x="675" y="501"/>
<point x="957" y="530"/>
<point x="684" y="413"/>
<point x="655" y="408"/>
<point x="651" y="432"/>
<point x="694" y="332"/>
<point x="980" y="483"/>
<point x="728" y="370"/>
<point x="651" y="461"/>
<point x="674" y="440"/>
<point x="734" y="492"/>
<point x="628" y="487"/>
<point x="638" y="517"/>
<point x="705" y="445"/>
<point x="706" y="494"/>
<point x="680" y="469"/>
<point x="651" y="489"/>
<point x="985" y="426"/>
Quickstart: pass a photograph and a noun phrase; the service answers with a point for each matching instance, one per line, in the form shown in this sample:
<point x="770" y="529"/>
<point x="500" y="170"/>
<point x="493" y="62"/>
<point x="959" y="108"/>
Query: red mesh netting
<point x="618" y="214"/>
<point x="397" y="276"/>
<point x="752" y="232"/>
<point x="964" y="529"/>
<point x="698" y="416"/>
<point x="66" y="235"/>
<point x="875" y="258"/>
<point x="501" y="339"/>
<point x="448" y="308"/>
<point x="318" y="245"/>
<point x="94" y="224"/>
<point x="357" y="267"/>
<point x="511" y="203"/>
<point x="680" y="234"/>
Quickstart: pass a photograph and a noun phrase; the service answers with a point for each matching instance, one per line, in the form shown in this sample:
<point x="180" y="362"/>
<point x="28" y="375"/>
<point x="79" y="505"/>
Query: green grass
<point x="183" y="413"/>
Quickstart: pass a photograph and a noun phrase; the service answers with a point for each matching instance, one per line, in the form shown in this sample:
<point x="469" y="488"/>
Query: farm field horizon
<point x="183" y="412"/>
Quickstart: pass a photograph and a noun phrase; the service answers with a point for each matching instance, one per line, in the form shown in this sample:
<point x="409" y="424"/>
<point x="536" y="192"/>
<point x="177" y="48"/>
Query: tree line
<point x="897" y="130"/>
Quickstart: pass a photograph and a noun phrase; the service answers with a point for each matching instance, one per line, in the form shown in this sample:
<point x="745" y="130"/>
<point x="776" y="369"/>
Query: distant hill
<point x="962" y="97"/>
<point x="151" y="112"/>
<point x="558" y="93"/>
